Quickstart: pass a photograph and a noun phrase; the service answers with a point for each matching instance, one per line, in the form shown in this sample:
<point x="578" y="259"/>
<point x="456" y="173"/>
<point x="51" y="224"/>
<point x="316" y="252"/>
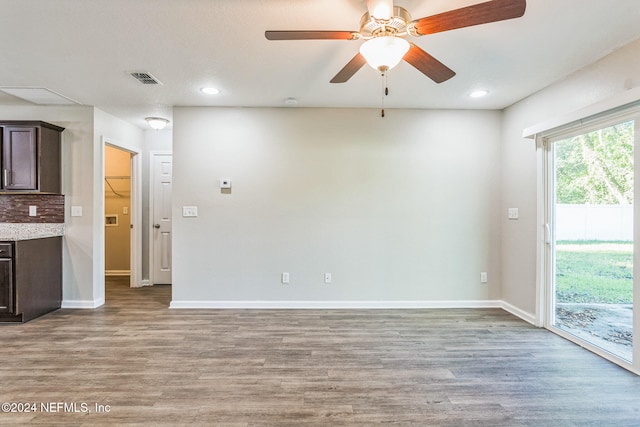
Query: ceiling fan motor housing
<point x="395" y="26"/>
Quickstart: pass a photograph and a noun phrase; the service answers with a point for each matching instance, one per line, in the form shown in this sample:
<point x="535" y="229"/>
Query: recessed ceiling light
<point x="479" y="93"/>
<point x="210" y="90"/>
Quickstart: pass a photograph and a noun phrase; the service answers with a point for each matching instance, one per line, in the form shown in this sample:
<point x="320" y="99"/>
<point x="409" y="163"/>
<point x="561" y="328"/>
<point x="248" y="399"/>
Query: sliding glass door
<point x="590" y="237"/>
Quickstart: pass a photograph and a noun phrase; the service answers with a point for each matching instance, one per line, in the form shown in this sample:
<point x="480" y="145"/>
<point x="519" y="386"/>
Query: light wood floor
<point x="155" y="366"/>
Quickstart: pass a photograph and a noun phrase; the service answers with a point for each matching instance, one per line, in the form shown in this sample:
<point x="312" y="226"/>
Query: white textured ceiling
<point x="84" y="50"/>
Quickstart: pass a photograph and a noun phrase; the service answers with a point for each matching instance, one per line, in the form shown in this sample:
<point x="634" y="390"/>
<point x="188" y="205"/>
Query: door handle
<point x="156" y="225"/>
<point x="547" y="234"/>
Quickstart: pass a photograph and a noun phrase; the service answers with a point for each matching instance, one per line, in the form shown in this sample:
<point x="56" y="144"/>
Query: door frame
<point x="152" y="155"/>
<point x="135" y="210"/>
<point x="544" y="315"/>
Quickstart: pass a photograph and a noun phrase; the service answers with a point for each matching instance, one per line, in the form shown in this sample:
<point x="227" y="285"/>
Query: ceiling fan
<point x="384" y="28"/>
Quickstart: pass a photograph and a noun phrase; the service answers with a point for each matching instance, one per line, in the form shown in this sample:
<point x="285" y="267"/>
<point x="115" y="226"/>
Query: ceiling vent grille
<point x="145" y="78"/>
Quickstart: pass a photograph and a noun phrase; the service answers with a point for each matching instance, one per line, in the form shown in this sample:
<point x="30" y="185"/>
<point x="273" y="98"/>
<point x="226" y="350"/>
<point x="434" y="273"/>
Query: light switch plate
<point x="512" y="213"/>
<point x="76" y="210"/>
<point x="189" y="211"/>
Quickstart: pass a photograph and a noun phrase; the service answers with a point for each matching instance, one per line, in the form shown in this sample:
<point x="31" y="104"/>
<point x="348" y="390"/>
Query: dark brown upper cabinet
<point x="31" y="157"/>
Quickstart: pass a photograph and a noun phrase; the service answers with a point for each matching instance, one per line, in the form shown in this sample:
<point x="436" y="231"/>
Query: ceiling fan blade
<point x="428" y="65"/>
<point x="482" y="13"/>
<point x="380" y="9"/>
<point x="350" y="69"/>
<point x="311" y="35"/>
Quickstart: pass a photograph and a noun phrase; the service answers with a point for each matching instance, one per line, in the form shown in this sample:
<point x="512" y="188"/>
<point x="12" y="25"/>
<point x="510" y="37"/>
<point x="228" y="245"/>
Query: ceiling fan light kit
<point x="384" y="53"/>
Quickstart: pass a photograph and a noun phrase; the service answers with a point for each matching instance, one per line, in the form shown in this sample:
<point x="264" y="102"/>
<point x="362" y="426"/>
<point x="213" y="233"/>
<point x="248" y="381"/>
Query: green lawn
<point x="594" y="272"/>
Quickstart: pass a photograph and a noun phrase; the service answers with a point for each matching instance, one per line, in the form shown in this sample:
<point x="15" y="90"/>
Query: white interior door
<point x="161" y="218"/>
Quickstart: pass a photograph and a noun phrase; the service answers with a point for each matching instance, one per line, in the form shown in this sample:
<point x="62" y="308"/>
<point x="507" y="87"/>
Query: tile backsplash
<point x="14" y="208"/>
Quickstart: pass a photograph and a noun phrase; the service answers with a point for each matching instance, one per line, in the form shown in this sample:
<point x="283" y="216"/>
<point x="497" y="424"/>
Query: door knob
<point x="156" y="225"/>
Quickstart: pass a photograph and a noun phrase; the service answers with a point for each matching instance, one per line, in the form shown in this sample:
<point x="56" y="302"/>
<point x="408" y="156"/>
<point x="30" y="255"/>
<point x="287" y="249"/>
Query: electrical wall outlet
<point x="33" y="211"/>
<point x="285" y="278"/>
<point x="327" y="277"/>
<point x="483" y="277"/>
<point x="513" y="213"/>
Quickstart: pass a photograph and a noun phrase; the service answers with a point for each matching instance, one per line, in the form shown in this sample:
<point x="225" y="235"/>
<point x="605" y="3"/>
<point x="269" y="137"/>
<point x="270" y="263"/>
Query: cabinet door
<point x="19" y="158"/>
<point x="6" y="285"/>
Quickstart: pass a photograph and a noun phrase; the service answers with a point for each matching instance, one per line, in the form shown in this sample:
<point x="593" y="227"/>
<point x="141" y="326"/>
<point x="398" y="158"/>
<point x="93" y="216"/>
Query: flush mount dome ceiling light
<point x="157" y="123"/>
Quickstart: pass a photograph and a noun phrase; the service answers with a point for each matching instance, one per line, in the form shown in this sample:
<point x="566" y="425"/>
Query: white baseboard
<point x="82" y="304"/>
<point x="117" y="273"/>
<point x="320" y="305"/>
<point x="527" y="317"/>
<point x="332" y="304"/>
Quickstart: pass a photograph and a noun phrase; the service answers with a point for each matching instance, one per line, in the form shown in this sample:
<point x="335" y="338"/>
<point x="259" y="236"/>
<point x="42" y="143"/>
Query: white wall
<point x="608" y="77"/>
<point x="82" y="185"/>
<point x="77" y="171"/>
<point x="107" y="130"/>
<point x="403" y="208"/>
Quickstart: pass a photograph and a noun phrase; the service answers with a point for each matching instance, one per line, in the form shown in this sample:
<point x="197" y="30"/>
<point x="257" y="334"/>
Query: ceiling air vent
<point x="145" y="78"/>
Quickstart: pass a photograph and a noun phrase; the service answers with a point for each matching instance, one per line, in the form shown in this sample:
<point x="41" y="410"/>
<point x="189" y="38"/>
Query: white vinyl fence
<point x="594" y="222"/>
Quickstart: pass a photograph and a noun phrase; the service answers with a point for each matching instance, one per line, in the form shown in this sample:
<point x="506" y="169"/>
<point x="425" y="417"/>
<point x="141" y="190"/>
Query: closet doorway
<point x="117" y="215"/>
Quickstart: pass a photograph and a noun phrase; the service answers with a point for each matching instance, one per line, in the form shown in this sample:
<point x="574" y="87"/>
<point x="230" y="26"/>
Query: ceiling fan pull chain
<point x="386" y="85"/>
<point x="384" y="92"/>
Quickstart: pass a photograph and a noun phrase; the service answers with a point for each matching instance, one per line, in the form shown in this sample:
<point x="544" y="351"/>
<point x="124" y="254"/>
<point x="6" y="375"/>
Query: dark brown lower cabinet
<point x="6" y="285"/>
<point x="30" y="278"/>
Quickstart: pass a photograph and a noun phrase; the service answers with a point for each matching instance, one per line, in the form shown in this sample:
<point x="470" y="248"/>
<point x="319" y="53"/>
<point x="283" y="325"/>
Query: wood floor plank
<point x="247" y="368"/>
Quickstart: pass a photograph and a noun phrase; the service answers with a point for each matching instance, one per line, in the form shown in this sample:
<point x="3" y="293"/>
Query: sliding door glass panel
<point x="592" y="247"/>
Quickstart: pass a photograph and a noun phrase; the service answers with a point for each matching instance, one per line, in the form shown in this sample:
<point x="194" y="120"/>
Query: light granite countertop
<point x="11" y="232"/>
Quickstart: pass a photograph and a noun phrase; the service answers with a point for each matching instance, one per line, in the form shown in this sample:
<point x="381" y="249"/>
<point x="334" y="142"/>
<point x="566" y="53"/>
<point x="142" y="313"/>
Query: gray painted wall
<point x="606" y="78"/>
<point x="403" y="208"/>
